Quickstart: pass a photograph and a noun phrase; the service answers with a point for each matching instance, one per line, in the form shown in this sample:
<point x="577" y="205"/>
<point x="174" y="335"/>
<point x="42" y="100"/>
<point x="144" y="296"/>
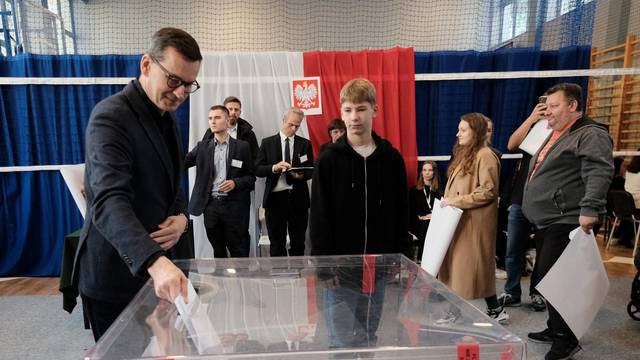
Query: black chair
<point x="622" y="207"/>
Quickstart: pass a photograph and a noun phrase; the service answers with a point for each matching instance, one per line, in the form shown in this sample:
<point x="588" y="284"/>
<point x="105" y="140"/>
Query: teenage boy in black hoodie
<point x="358" y="206"/>
<point x="359" y="189"/>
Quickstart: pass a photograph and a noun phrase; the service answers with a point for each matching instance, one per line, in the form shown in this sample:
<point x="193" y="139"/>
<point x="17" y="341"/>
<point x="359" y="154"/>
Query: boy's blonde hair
<point x="358" y="91"/>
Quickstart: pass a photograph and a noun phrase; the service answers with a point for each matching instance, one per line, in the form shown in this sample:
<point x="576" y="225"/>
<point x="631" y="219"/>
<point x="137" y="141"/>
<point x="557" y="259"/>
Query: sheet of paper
<point x="536" y="137"/>
<point x="577" y="283"/>
<point x="444" y="222"/>
<point x="73" y="175"/>
<point x="195" y="317"/>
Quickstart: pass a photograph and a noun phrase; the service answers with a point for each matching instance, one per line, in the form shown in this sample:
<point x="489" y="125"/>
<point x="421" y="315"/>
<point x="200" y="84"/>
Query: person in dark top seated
<point x="421" y="198"/>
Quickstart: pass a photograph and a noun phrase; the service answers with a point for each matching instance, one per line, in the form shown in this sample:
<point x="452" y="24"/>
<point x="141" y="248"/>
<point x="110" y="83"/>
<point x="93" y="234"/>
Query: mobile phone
<point x="542" y="99"/>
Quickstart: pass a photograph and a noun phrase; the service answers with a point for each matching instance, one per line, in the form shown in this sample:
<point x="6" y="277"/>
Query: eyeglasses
<point x="175" y="82"/>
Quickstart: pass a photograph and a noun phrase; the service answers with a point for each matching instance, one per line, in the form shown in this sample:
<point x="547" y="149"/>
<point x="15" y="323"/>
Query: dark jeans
<point x="518" y="229"/>
<point x="283" y="215"/>
<point x="554" y="239"/>
<point x="227" y="224"/>
<point x="352" y="316"/>
<point x="101" y="314"/>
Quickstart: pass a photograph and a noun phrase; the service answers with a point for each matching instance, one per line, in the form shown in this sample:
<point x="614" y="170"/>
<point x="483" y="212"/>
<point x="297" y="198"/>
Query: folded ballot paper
<point x="536" y="137"/>
<point x="444" y="221"/>
<point x="577" y="283"/>
<point x="73" y="175"/>
<point x="195" y="318"/>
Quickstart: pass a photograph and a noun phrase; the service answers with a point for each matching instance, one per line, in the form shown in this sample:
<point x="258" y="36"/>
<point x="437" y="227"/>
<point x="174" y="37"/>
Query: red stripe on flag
<point x="392" y="72"/>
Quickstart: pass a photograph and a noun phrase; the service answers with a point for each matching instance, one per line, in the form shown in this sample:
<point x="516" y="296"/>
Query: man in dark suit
<point x="286" y="195"/>
<point x="135" y="209"/>
<point x="239" y="128"/>
<point x="224" y="180"/>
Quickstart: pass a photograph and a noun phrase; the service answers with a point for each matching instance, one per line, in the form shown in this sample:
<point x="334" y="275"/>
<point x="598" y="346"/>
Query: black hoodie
<point x="349" y="192"/>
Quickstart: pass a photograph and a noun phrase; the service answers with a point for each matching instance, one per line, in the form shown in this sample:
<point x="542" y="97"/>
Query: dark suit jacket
<point x="202" y="156"/>
<point x="245" y="132"/>
<point x="270" y="153"/>
<point x="131" y="186"/>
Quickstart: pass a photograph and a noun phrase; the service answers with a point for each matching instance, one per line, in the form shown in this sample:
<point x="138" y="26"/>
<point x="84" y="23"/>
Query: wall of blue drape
<point x="44" y="125"/>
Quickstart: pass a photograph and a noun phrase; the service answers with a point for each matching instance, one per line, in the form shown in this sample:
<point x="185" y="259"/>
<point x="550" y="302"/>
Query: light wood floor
<point x="49" y="285"/>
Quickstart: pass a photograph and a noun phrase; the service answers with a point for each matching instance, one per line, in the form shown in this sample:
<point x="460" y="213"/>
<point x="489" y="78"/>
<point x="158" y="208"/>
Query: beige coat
<point x="469" y="266"/>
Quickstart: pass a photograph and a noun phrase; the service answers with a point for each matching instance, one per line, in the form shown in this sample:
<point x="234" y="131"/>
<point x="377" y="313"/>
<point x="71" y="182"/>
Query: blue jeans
<point x="352" y="317"/>
<point x="518" y="229"/>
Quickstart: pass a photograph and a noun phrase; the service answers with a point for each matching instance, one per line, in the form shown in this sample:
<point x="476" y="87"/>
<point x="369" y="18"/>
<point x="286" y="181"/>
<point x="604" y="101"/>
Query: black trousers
<point x="227" y="224"/>
<point x="552" y="241"/>
<point x="101" y="314"/>
<point x="282" y="214"/>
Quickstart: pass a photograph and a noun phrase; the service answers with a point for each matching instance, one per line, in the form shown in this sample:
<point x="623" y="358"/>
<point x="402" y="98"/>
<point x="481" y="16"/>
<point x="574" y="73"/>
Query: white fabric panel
<point x="261" y="81"/>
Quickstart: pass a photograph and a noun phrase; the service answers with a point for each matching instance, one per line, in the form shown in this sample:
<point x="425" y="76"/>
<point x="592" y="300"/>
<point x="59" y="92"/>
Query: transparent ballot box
<point x="330" y="307"/>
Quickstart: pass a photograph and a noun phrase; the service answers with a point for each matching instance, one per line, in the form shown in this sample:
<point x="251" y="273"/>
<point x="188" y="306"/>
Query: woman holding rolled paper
<point x="473" y="178"/>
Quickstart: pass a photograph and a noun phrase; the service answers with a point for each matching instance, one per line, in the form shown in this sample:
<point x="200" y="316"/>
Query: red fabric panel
<point x="392" y="73"/>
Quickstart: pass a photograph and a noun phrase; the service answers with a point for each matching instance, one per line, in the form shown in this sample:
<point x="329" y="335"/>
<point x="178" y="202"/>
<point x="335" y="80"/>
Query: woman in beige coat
<point x="469" y="266"/>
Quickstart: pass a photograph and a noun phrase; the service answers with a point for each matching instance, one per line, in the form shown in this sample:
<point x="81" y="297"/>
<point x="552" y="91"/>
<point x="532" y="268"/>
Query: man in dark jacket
<point x="286" y="160"/>
<point x="223" y="183"/>
<point x="358" y="206"/>
<point x="239" y="128"/>
<point x="566" y="187"/>
<point x="135" y="211"/>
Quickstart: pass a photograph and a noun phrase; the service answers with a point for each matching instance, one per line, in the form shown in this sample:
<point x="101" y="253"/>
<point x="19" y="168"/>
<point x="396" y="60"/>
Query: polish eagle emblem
<point x="306" y="95"/>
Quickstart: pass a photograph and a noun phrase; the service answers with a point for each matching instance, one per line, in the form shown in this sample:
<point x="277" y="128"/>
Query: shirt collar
<point x="283" y="136"/>
<point x="226" y="141"/>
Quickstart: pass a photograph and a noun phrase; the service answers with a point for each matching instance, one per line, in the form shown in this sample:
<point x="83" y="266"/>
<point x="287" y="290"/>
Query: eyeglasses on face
<point x="175" y="82"/>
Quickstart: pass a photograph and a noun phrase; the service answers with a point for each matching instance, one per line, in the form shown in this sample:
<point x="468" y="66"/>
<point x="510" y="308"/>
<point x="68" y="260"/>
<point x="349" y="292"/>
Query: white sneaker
<point x="498" y="314"/>
<point x="501" y="274"/>
<point x="449" y="318"/>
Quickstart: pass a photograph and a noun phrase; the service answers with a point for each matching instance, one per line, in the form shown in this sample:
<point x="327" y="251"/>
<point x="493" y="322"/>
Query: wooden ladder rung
<point x="594" y="98"/>
<point x="601" y="106"/>
<point x="608" y="60"/>
<point x="630" y="131"/>
<point x="601" y="88"/>
<point x="601" y="115"/>
<point x="634" y="140"/>
<point x="631" y="112"/>
<point x="609" y="49"/>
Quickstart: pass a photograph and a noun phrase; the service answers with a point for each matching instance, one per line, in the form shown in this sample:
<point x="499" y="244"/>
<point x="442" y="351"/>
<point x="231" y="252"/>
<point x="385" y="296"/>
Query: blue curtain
<point x="45" y="125"/>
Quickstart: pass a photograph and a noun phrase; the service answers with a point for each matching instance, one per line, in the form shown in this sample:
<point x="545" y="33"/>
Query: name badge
<point x="303" y="158"/>
<point x="236" y="163"/>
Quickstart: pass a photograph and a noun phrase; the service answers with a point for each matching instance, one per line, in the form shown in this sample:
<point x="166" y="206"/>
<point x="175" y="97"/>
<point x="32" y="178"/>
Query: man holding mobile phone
<point x="566" y="187"/>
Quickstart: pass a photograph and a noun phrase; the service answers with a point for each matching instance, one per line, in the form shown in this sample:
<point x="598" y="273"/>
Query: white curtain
<point x="261" y="81"/>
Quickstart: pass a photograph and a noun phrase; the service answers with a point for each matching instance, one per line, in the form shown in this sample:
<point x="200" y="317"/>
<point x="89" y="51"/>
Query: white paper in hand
<point x="536" y="137"/>
<point x="577" y="283"/>
<point x="195" y="317"/>
<point x="444" y="221"/>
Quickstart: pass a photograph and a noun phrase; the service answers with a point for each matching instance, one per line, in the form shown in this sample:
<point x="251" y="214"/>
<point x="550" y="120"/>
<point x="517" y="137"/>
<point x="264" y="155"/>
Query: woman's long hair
<point x="435" y="182"/>
<point x="464" y="155"/>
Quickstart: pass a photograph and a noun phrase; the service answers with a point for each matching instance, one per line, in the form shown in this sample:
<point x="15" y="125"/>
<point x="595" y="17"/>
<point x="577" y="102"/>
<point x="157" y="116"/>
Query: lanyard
<point x="427" y="194"/>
